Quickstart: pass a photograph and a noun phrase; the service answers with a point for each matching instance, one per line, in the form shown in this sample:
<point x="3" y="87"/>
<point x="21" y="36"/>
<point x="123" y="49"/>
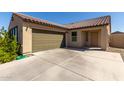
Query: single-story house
<point x="36" y="34"/>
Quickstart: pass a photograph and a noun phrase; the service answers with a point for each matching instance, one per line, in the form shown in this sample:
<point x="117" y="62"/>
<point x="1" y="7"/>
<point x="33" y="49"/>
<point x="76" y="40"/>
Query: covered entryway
<point x="44" y="40"/>
<point x="92" y="38"/>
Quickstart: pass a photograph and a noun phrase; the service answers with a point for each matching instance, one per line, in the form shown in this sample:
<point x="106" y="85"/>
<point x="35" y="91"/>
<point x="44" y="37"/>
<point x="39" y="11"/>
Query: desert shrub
<point x="8" y="47"/>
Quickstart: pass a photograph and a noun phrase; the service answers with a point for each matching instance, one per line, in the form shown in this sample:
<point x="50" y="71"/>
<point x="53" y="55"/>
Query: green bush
<point x="8" y="47"/>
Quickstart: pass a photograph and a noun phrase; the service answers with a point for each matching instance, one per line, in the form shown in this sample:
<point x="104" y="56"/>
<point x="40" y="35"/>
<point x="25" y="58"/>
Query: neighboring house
<point x="118" y="32"/>
<point x="117" y="39"/>
<point x="36" y="34"/>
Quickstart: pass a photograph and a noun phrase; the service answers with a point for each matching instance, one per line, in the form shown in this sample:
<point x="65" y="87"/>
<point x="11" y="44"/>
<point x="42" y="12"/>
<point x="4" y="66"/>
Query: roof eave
<point x="28" y="20"/>
<point x="88" y="26"/>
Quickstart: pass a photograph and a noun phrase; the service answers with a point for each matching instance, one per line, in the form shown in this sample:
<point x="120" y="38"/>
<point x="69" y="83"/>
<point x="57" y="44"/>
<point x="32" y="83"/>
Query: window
<point x="74" y="36"/>
<point x="14" y="32"/>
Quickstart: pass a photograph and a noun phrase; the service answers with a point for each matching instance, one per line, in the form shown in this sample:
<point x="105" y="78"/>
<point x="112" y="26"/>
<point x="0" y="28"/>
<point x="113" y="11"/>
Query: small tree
<point x="8" y="47"/>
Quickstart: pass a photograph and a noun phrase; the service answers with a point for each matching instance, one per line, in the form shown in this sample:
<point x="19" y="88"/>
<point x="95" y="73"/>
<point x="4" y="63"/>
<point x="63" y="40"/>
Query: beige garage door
<point x="44" y="40"/>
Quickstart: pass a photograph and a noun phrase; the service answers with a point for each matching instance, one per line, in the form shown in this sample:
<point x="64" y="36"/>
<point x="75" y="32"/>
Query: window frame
<point x="14" y="32"/>
<point x="74" y="36"/>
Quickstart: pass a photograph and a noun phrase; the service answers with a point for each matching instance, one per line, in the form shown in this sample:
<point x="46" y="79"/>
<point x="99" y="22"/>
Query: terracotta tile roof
<point x="104" y="20"/>
<point x="31" y="19"/>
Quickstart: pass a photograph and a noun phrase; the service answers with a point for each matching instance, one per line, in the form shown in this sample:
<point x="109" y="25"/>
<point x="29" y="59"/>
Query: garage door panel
<point x="46" y="43"/>
<point x="48" y="40"/>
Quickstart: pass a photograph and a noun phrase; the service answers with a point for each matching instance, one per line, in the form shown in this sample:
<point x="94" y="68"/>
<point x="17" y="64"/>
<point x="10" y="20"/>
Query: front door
<point x="94" y="39"/>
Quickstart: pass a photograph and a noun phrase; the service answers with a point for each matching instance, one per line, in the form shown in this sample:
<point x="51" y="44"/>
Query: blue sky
<point x="68" y="17"/>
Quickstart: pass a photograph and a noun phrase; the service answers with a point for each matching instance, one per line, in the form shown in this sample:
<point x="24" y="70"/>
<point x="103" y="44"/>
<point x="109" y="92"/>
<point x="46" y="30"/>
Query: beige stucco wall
<point x="27" y="39"/>
<point x="42" y="27"/>
<point x="24" y="33"/>
<point x="79" y="42"/>
<point x="117" y="40"/>
<point x="17" y="22"/>
<point x="103" y="37"/>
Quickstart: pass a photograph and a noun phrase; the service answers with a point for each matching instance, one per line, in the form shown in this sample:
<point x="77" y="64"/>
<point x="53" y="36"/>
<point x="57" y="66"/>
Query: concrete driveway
<point x="66" y="64"/>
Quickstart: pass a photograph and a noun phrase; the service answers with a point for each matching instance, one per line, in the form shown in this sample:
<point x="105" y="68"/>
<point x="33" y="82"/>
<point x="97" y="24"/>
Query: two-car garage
<point x="44" y="40"/>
